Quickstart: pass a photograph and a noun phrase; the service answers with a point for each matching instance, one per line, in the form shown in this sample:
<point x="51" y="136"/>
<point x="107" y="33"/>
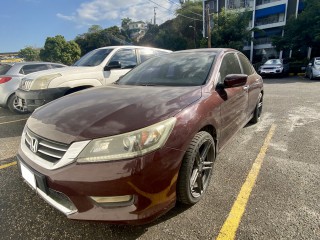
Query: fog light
<point x="113" y="199"/>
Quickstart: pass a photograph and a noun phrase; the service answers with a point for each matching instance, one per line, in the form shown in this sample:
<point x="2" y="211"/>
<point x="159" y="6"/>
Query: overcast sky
<point x="30" y="22"/>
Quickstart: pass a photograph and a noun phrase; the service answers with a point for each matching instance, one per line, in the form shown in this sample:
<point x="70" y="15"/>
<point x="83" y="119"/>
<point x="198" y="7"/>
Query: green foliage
<point x="57" y="49"/>
<point x="30" y="53"/>
<point x="303" y="30"/>
<point x="97" y="37"/>
<point x="230" y="29"/>
<point x="179" y="33"/>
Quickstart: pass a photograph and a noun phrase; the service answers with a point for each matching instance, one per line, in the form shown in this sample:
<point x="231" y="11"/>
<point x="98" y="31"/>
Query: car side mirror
<point x="112" y="65"/>
<point x="235" y="80"/>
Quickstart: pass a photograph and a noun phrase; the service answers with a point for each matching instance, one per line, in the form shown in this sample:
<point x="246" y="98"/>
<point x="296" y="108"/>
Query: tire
<point x="258" y="110"/>
<point x="13" y="106"/>
<point x="196" y="169"/>
<point x="311" y="75"/>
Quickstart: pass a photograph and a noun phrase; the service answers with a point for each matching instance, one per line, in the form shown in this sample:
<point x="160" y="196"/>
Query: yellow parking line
<point x="230" y="226"/>
<point x="14" y="121"/>
<point x="8" y="165"/>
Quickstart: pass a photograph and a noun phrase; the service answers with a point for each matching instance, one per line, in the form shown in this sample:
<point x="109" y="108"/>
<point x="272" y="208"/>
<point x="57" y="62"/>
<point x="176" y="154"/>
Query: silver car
<point x="10" y="78"/>
<point x="313" y="68"/>
<point x="274" y="67"/>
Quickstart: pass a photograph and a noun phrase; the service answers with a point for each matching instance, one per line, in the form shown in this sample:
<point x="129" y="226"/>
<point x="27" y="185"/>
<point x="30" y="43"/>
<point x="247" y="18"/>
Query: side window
<point x="33" y="68"/>
<point x="56" y="66"/>
<point x="127" y="58"/>
<point x="246" y="65"/>
<point x="145" y="54"/>
<point x="229" y="65"/>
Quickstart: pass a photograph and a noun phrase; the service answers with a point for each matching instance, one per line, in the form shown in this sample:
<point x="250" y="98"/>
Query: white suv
<point x="98" y="67"/>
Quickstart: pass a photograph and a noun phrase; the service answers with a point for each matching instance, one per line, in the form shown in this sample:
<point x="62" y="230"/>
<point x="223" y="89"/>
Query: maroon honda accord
<point x="125" y="153"/>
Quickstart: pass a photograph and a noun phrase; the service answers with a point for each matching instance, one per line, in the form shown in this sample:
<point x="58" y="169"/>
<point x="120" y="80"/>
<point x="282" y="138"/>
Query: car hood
<point x="271" y="66"/>
<point x="65" y="71"/>
<point x="110" y="110"/>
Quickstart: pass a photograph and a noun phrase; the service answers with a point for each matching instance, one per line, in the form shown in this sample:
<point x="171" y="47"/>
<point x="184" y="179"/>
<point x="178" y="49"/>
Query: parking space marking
<point x="20" y="120"/>
<point x="8" y="165"/>
<point x="230" y="226"/>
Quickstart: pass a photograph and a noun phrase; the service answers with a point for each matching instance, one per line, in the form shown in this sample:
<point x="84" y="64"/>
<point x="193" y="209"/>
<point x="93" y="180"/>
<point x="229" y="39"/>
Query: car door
<point x="235" y="100"/>
<point x="126" y="57"/>
<point x="253" y="83"/>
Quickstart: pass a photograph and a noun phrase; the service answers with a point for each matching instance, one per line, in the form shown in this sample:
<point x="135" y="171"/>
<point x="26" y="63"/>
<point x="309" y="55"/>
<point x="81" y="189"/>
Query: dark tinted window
<point x="246" y="65"/>
<point x="93" y="58"/>
<point x="229" y="65"/>
<point x="127" y="58"/>
<point x="4" y="68"/>
<point x="181" y="69"/>
<point x="56" y="66"/>
<point x="33" y="68"/>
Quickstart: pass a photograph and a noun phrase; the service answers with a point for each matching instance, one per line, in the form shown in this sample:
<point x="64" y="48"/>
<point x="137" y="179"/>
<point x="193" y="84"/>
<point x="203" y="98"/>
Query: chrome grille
<point x="46" y="149"/>
<point x="26" y="84"/>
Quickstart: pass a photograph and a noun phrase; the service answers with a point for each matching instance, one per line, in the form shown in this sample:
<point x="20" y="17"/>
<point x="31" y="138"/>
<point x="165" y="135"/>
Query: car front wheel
<point x="14" y="106"/>
<point x="196" y="169"/>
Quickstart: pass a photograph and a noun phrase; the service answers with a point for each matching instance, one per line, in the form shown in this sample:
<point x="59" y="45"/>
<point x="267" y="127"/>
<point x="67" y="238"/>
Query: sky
<point x="29" y="22"/>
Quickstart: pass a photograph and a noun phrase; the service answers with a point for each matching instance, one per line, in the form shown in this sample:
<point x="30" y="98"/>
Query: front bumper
<point x="150" y="179"/>
<point x="270" y="71"/>
<point x="30" y="100"/>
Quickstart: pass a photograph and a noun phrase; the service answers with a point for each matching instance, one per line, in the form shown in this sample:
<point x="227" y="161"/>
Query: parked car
<point x="313" y="68"/>
<point x="10" y="78"/>
<point x="277" y="67"/>
<point x="124" y="153"/>
<point x="98" y="67"/>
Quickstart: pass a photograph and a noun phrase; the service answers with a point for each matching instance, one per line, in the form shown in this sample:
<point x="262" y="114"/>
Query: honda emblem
<point x="34" y="145"/>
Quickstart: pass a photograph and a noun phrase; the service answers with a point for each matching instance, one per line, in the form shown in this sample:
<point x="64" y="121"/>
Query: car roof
<point x="133" y="46"/>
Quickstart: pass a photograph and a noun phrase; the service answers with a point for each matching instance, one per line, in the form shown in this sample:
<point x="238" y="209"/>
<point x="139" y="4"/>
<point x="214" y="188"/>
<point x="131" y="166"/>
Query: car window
<point x="181" y="69"/>
<point x="273" y="61"/>
<point x="229" y="65"/>
<point x="126" y="57"/>
<point x="93" y="58"/>
<point x="246" y="65"/>
<point x="146" y="53"/>
<point x="4" y="68"/>
<point x="56" y="66"/>
<point x="26" y="69"/>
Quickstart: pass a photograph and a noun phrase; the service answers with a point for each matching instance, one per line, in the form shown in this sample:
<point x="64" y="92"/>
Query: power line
<point x="174" y="13"/>
<point x="187" y="10"/>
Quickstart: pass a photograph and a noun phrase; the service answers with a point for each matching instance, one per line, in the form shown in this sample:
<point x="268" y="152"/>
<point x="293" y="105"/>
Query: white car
<point x="313" y="68"/>
<point x="99" y="67"/>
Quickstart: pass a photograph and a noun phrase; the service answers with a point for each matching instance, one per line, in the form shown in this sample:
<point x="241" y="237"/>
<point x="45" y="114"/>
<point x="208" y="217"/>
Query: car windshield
<point x="4" y="68"/>
<point x="273" y="61"/>
<point x="93" y="58"/>
<point x="317" y="61"/>
<point x="176" y="69"/>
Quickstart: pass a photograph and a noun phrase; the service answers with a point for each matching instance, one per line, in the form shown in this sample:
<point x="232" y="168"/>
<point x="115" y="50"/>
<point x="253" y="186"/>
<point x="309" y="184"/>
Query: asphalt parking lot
<point x="279" y="199"/>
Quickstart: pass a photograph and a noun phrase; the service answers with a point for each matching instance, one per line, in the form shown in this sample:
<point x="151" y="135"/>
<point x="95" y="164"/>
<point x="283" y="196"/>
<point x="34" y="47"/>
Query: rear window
<point x="4" y="68"/>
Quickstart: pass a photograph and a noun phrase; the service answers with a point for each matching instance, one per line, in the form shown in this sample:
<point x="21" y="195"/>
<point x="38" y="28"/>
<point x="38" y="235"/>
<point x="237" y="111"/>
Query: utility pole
<point x="208" y="26"/>
<point x="203" y="18"/>
<point x="154" y="16"/>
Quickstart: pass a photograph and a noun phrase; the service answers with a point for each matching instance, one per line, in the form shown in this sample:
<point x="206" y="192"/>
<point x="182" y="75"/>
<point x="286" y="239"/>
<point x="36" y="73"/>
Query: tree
<point x="30" y="53"/>
<point x="125" y="23"/>
<point x="97" y="37"/>
<point x="57" y="49"/>
<point x="179" y="33"/>
<point x="230" y="29"/>
<point x="303" y="31"/>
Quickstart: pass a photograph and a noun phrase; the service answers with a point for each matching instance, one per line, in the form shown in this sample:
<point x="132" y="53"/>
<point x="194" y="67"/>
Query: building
<point x="268" y="15"/>
<point x="137" y="30"/>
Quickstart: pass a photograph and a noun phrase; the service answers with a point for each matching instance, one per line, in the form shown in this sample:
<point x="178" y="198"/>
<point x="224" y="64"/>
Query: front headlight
<point x="128" y="145"/>
<point x="43" y="81"/>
